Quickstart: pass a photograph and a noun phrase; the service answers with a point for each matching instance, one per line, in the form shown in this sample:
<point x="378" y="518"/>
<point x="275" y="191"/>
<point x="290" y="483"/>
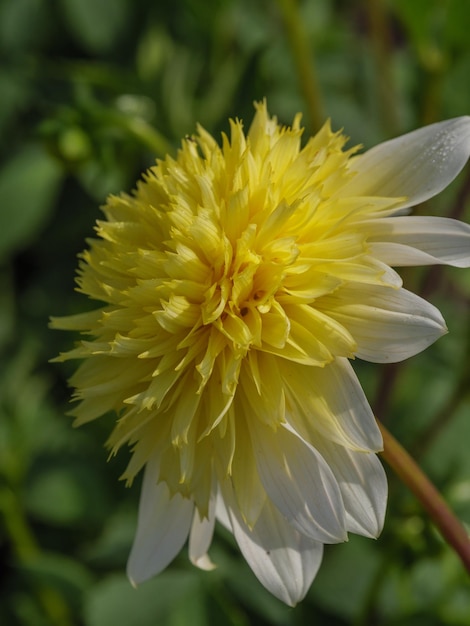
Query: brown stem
<point x="414" y="478"/>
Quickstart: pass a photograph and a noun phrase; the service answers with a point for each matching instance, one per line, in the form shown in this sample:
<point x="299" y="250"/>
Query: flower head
<point x="237" y="283"/>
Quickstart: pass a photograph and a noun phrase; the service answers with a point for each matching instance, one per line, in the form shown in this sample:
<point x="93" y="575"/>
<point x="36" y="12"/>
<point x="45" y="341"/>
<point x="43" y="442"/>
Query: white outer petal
<point x="388" y="325"/>
<point x="335" y="408"/>
<point x="363" y="485"/>
<point x="417" y="165"/>
<point x="283" y="560"/>
<point x="221" y="512"/>
<point x="200" y="538"/>
<point x="414" y="240"/>
<point x="300" y="484"/>
<point x="348" y="403"/>
<point x="162" y="528"/>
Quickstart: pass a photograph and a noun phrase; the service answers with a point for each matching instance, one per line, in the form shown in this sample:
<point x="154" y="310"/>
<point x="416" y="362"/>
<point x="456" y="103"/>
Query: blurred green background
<point x="91" y="92"/>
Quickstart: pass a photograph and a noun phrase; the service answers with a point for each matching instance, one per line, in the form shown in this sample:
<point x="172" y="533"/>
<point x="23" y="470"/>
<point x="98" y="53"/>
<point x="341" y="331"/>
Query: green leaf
<point x="96" y="25"/>
<point x="172" y="593"/>
<point x="346" y="576"/>
<point x="29" y="183"/>
<point x="60" y="572"/>
<point x="427" y="582"/>
<point x="112" y="547"/>
<point x="457" y="102"/>
<point x="457" y="608"/>
<point x="19" y="23"/>
<point x="16" y="94"/>
<point x="7" y="307"/>
<point x="456" y="24"/>
<point x="65" y="494"/>
<point x="420" y="17"/>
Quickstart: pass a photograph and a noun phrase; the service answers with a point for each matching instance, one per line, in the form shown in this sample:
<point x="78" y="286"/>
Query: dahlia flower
<point x="236" y="283"/>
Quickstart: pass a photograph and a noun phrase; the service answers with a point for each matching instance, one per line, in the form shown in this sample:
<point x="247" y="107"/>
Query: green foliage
<point x="96" y="26"/>
<point x="92" y="92"/>
<point x="29" y="184"/>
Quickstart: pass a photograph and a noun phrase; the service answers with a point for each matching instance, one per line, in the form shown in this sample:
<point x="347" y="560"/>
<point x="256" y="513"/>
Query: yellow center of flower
<point x="221" y="275"/>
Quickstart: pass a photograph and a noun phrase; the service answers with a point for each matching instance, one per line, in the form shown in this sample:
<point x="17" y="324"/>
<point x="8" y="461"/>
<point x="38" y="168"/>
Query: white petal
<point x="221" y="512"/>
<point x="162" y="528"/>
<point x="300" y="484"/>
<point x="401" y="241"/>
<point x="334" y="405"/>
<point x="363" y="485"/>
<point x="200" y="538"/>
<point x="388" y="325"/>
<point x="348" y="404"/>
<point x="417" y="165"/>
<point x="283" y="560"/>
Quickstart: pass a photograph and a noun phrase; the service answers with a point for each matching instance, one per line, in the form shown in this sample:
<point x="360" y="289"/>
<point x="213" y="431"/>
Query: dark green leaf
<point x="115" y="601"/>
<point x="29" y="183"/>
<point x="96" y="25"/>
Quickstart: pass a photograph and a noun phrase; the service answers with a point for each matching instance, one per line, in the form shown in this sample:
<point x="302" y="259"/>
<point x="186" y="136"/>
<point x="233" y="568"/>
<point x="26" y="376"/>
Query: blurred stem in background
<point x="434" y="66"/>
<point x="303" y="56"/>
<point x="415" y="479"/>
<point x="142" y="131"/>
<point x="381" y="45"/>
<point x="28" y="552"/>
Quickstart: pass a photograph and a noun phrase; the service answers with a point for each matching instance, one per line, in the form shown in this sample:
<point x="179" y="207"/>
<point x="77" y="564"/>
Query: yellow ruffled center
<point x="211" y="272"/>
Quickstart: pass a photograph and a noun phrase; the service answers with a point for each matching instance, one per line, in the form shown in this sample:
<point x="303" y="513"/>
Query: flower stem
<point x="28" y="553"/>
<point x="380" y="38"/>
<point x="415" y="479"/>
<point x="303" y="59"/>
<point x="141" y="130"/>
